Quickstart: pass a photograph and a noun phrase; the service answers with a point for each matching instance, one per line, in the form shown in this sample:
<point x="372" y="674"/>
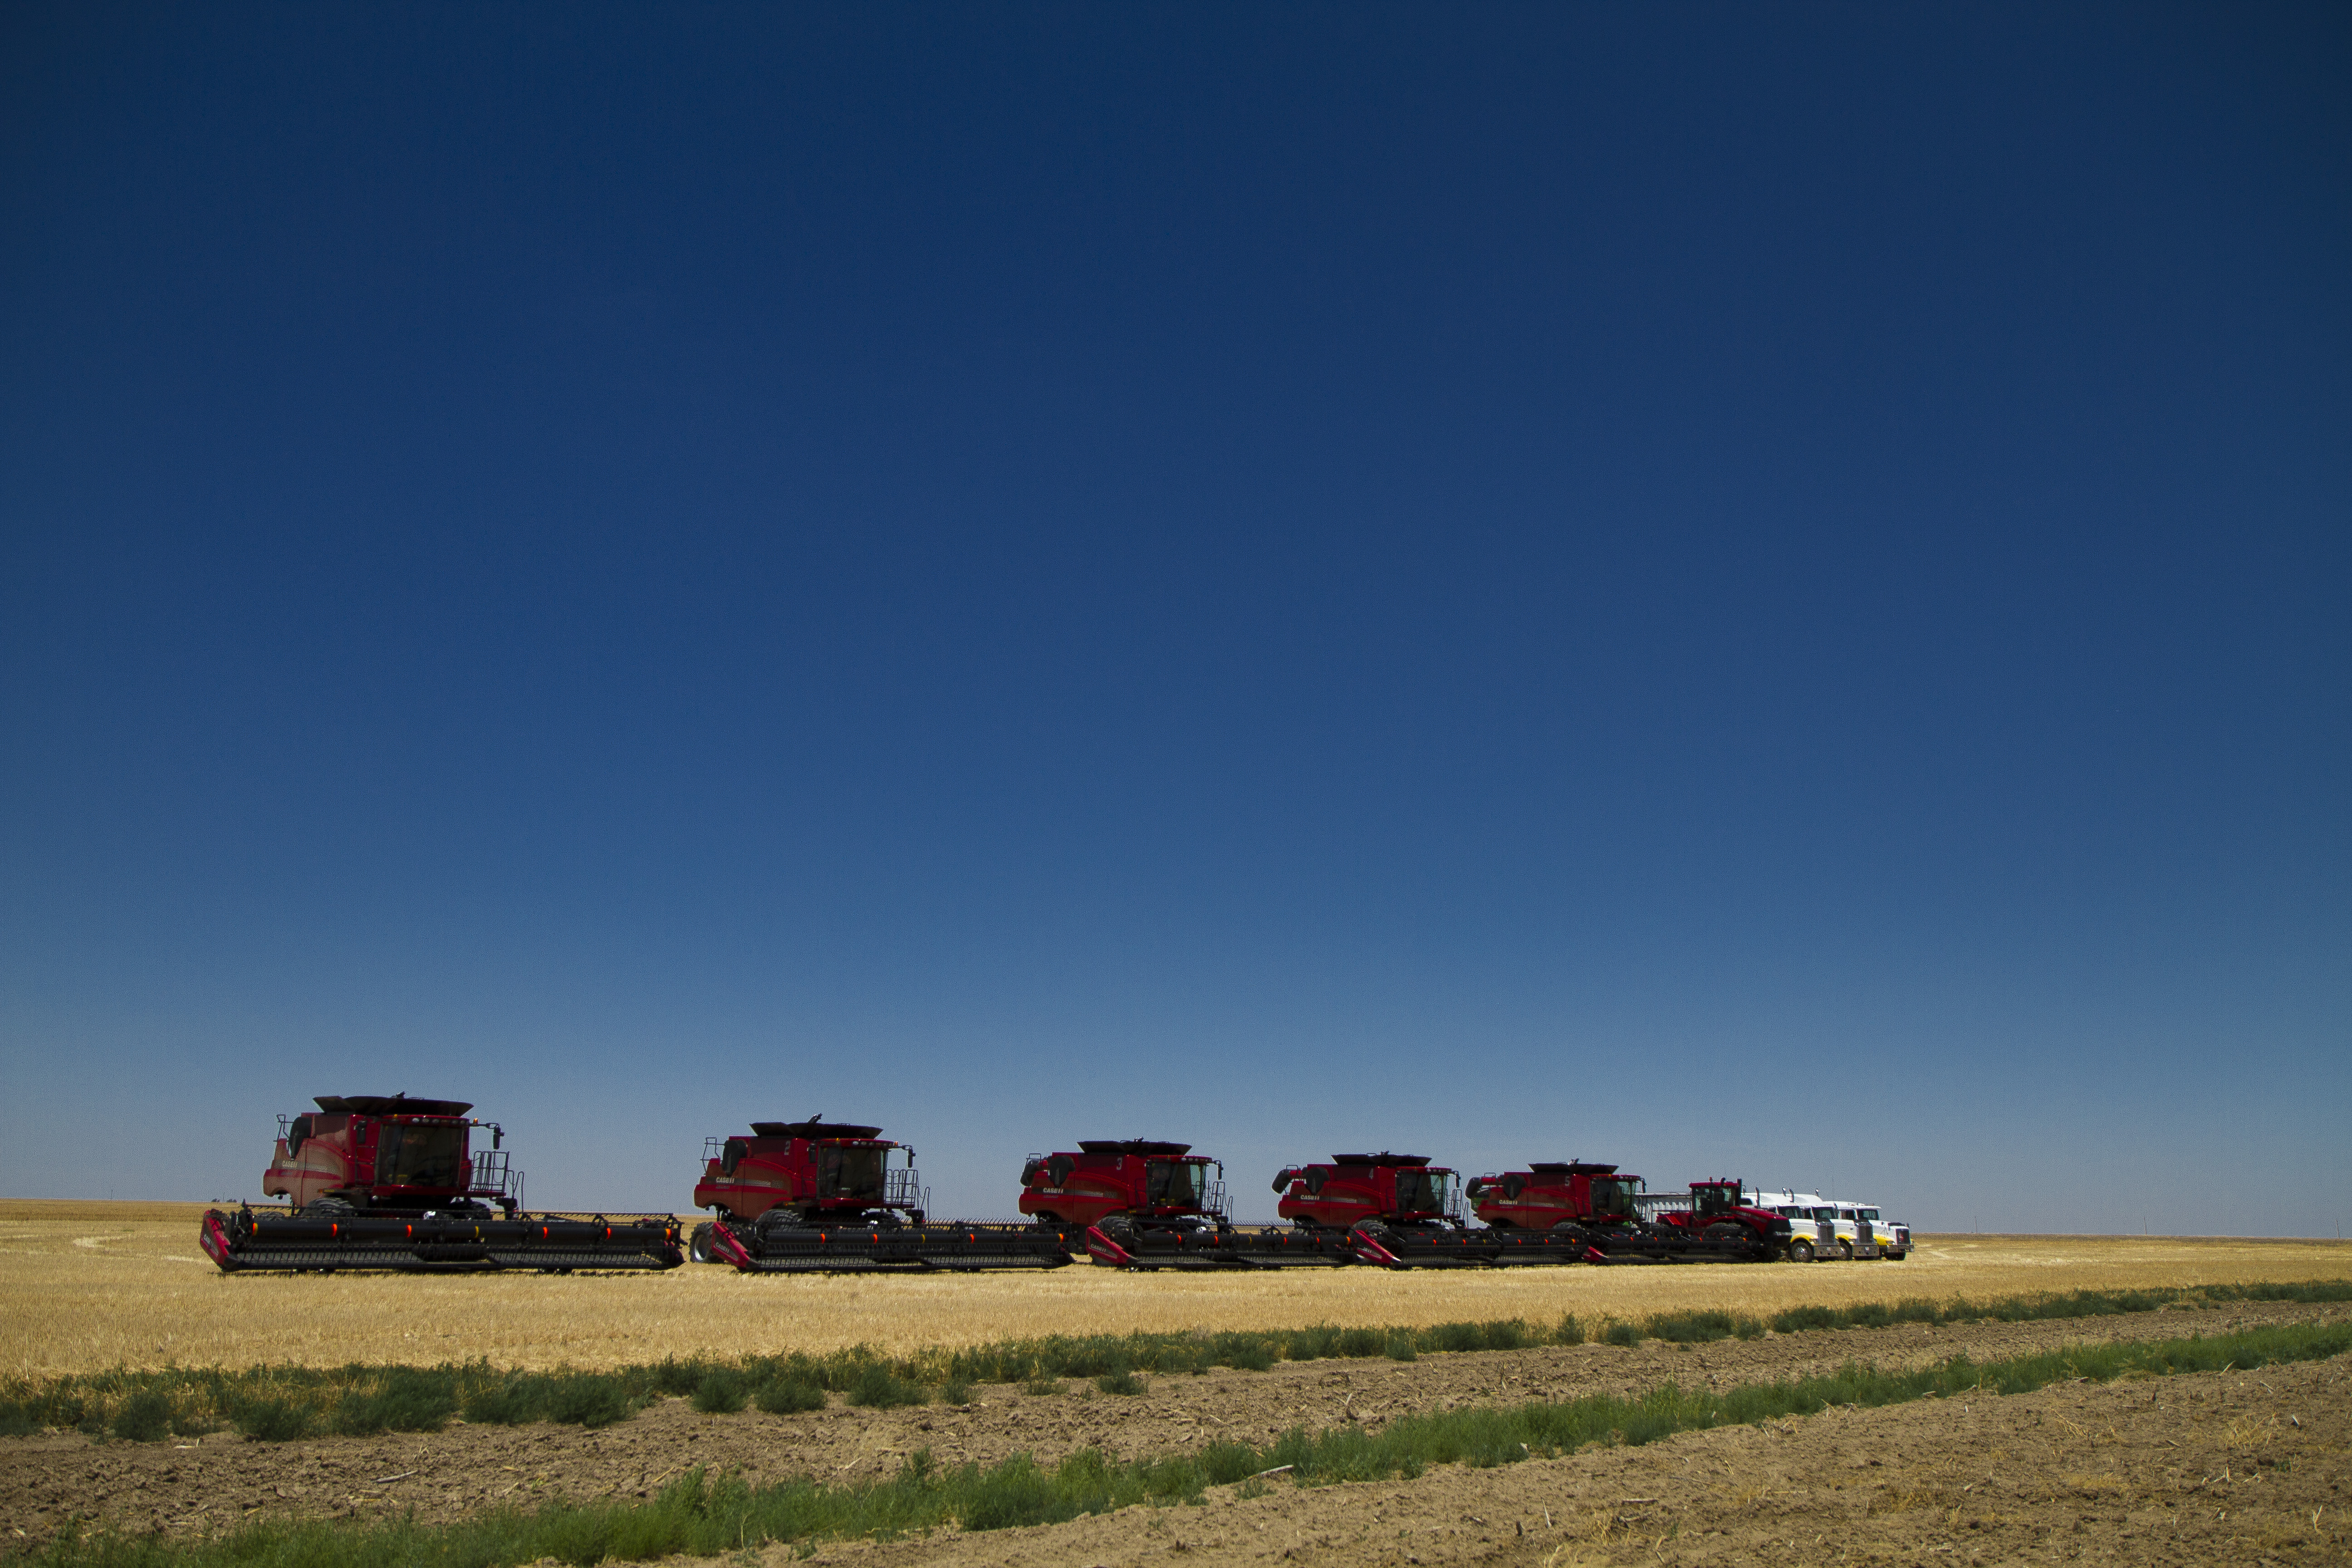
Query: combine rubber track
<point x="244" y="1241"/>
<point x="846" y="1249"/>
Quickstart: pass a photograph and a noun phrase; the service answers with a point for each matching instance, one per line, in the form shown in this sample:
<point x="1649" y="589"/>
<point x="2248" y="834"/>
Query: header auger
<point x="378" y="1181"/>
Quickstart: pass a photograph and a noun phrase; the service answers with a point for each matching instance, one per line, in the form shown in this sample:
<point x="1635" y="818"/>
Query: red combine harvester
<point x="804" y="1173"/>
<point x="377" y="1181"/>
<point x="1583" y="1208"/>
<point x="1395" y="1210"/>
<point x="1138" y="1203"/>
<point x="820" y="1196"/>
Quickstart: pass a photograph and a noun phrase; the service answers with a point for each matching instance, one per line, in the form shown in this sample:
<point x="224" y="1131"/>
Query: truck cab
<point x="1863" y="1233"/>
<point x="1894" y="1237"/>
<point x="1809" y="1237"/>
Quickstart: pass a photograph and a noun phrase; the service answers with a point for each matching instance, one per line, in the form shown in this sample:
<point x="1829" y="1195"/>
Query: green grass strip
<point x="283" y="1402"/>
<point x="701" y="1516"/>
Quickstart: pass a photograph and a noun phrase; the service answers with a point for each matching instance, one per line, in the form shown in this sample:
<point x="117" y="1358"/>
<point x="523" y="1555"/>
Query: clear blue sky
<point x="1750" y="593"/>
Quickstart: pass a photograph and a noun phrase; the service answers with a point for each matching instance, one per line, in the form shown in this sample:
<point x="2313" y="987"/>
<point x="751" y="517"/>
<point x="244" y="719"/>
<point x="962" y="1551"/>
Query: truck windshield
<point x="1825" y="1214"/>
<point x="1870" y="1214"/>
<point x="855" y="1173"/>
<point x="413" y="1156"/>
<point x="1176" y="1182"/>
<point x="1611" y="1196"/>
<point x="1424" y="1191"/>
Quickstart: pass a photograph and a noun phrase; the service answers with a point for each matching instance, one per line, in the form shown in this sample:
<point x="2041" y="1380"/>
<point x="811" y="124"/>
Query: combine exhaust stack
<point x="388" y="1182"/>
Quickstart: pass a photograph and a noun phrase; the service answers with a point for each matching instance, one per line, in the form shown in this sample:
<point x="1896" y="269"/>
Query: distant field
<point x="85" y="1285"/>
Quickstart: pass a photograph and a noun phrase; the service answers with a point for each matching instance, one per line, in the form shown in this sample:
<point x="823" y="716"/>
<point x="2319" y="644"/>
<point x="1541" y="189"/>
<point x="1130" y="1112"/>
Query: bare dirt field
<point x="88" y="1285"/>
<point x="2210" y="1467"/>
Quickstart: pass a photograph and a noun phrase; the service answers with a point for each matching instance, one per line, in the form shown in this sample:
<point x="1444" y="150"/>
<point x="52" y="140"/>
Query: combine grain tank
<point x="377" y="1181"/>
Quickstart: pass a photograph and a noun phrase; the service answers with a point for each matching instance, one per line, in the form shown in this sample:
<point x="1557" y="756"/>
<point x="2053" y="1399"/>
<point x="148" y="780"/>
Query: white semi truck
<point x="1836" y="1229"/>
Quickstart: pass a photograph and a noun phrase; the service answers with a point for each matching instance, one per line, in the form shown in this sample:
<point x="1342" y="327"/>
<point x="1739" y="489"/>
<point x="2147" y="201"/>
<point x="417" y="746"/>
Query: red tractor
<point x="1125" y="1188"/>
<point x="1719" y="1217"/>
<point x="384" y="1180"/>
<point x="797" y="1175"/>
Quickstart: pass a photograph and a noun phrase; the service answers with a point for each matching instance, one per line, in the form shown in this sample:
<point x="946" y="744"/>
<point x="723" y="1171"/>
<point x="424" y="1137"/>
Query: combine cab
<point x="1580" y="1208"/>
<point x="388" y="1182"/>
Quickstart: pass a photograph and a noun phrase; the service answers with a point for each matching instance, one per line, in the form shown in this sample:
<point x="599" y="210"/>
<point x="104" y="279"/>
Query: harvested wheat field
<point x="2179" y="1432"/>
<point x="88" y="1286"/>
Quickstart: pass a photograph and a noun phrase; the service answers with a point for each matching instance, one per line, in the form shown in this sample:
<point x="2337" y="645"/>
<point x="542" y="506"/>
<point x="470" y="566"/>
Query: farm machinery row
<point x="389" y="1181"/>
<point x="781" y="1203"/>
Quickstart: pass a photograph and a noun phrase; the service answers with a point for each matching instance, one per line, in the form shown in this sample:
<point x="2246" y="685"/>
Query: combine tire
<point x="699" y="1246"/>
<point x="1800" y="1251"/>
<point x="328" y="1208"/>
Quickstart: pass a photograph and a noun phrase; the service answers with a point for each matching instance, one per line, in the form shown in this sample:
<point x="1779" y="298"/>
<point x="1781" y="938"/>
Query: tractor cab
<point x="812" y="1170"/>
<point x="1401" y="1189"/>
<point x="1141" y="1180"/>
<point x="1712" y="1200"/>
<point x="1557" y="1193"/>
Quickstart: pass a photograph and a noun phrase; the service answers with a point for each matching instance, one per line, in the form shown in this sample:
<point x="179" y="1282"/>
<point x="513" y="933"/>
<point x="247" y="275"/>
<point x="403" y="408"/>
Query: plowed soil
<point x="2151" y="1471"/>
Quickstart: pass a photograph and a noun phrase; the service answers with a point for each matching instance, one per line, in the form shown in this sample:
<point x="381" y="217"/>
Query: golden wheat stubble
<point x="86" y="1286"/>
